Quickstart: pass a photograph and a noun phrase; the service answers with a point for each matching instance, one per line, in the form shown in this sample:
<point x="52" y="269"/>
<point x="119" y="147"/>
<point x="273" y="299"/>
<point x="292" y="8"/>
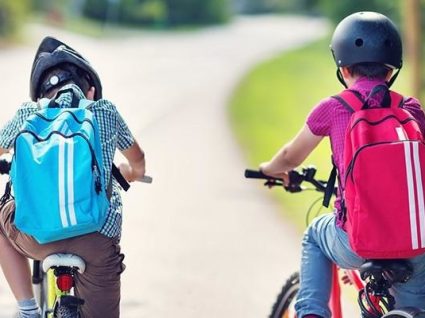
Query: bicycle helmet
<point x="52" y="53"/>
<point x="367" y="37"/>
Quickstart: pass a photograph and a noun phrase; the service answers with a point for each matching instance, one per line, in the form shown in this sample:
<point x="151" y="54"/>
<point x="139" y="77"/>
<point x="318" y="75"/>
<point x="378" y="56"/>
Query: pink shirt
<point x="330" y="118"/>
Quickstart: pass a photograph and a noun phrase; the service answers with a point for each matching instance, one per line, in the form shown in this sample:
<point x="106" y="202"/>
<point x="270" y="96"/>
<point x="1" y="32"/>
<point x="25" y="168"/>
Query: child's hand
<point x="265" y="168"/>
<point x="131" y="174"/>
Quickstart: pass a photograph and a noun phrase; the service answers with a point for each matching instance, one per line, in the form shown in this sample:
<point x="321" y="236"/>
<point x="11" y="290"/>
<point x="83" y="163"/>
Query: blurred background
<point x="210" y="87"/>
<point x="92" y="16"/>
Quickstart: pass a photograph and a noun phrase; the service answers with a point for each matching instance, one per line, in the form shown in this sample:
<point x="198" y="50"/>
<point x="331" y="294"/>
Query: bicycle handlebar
<point x="257" y="174"/>
<point x="296" y="178"/>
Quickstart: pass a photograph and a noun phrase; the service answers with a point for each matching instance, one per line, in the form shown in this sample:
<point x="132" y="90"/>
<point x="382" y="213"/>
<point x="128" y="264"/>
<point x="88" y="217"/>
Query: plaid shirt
<point x="114" y="134"/>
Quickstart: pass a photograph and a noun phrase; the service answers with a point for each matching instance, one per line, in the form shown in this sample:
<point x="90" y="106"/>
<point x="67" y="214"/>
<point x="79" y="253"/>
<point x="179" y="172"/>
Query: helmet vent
<point x="359" y="42"/>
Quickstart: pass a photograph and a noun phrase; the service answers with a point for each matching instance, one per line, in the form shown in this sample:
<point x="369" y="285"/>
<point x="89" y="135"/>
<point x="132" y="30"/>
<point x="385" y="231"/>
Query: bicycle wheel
<point x="408" y="312"/>
<point x="66" y="312"/>
<point x="67" y="307"/>
<point x="284" y="305"/>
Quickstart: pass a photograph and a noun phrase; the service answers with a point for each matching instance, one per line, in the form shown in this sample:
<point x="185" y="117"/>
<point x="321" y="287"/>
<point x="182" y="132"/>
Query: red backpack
<point x="383" y="197"/>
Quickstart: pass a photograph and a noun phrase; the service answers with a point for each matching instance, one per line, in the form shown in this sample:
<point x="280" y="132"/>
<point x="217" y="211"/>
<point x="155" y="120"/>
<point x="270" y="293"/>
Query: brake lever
<point x="273" y="182"/>
<point x="294" y="188"/>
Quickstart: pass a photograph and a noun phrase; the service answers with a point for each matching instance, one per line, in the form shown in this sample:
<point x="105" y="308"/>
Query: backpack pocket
<point x="384" y="193"/>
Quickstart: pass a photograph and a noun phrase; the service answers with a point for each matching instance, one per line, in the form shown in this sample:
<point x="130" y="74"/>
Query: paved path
<point x="200" y="241"/>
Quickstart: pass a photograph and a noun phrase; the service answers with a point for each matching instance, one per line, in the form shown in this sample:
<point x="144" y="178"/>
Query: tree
<point x="12" y="13"/>
<point x="337" y="10"/>
<point x="197" y="12"/>
<point x="163" y="12"/>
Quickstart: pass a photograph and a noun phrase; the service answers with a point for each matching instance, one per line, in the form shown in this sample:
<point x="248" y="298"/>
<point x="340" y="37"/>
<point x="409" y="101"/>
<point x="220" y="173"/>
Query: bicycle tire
<point x="67" y="306"/>
<point x="286" y="298"/>
<point x="407" y="312"/>
<point x="66" y="312"/>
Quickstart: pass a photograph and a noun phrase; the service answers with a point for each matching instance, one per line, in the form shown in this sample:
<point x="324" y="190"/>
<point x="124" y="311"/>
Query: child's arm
<point x="134" y="169"/>
<point x="292" y="154"/>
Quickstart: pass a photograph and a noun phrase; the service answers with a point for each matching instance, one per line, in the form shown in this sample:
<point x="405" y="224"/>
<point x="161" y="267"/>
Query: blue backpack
<point x="57" y="173"/>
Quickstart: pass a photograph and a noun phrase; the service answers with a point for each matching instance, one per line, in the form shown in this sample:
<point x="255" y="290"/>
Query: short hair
<point x="70" y="72"/>
<point x="370" y="70"/>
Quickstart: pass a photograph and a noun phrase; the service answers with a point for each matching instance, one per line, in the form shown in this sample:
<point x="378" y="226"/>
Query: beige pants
<point x="99" y="286"/>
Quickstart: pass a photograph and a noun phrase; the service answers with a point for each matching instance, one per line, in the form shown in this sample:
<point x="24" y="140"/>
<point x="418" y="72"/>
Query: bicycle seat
<point x="69" y="260"/>
<point x="396" y="270"/>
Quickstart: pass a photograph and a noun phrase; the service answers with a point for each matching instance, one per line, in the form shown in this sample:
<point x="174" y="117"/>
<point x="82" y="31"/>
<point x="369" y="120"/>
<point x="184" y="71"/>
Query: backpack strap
<point x="330" y="186"/>
<point x="120" y="178"/>
<point x="116" y="173"/>
<point x="397" y="100"/>
<point x="353" y="101"/>
<point x="350" y="99"/>
<point x="43" y="103"/>
<point x="84" y="103"/>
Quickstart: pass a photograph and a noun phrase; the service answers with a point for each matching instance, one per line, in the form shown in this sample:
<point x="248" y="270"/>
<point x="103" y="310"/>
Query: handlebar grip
<point x="145" y="179"/>
<point x="255" y="174"/>
<point x="4" y="166"/>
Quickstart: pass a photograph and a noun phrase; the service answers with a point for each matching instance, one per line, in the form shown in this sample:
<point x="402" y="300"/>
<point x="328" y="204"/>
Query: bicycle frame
<point x="368" y="302"/>
<point x="51" y="292"/>
<point x="353" y="278"/>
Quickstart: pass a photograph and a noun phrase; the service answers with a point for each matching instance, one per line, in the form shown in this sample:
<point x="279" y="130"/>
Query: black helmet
<point x="364" y="37"/>
<point x="52" y="53"/>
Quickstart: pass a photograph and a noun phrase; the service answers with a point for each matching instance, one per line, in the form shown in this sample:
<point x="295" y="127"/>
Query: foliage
<point x="260" y="6"/>
<point x="158" y="12"/>
<point x="337" y="10"/>
<point x="147" y="12"/>
<point x="197" y="12"/>
<point x="264" y="6"/>
<point x="96" y="9"/>
<point x="12" y="14"/>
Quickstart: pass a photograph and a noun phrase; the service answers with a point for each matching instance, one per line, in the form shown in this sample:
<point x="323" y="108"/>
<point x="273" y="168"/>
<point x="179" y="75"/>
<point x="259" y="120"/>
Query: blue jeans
<point x="324" y="243"/>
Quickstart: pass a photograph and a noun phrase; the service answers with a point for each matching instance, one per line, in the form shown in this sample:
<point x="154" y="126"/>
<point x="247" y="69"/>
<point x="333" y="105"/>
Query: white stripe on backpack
<point x="61" y="180"/>
<point x="419" y="192"/>
<point x="411" y="189"/>
<point x="70" y="176"/>
<point x="67" y="210"/>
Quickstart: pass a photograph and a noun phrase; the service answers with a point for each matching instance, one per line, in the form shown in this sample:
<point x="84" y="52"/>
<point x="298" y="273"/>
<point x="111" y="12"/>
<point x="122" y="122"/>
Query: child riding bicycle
<point x="367" y="49"/>
<point x="62" y="74"/>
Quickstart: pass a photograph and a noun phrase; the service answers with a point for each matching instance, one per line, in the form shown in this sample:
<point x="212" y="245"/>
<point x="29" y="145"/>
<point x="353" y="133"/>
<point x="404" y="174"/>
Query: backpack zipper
<point x="94" y="164"/>
<point x="374" y="123"/>
<point x="350" y="169"/>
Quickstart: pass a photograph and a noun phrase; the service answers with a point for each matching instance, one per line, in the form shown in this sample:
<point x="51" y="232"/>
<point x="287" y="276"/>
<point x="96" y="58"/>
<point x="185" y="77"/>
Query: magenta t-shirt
<point x="331" y="118"/>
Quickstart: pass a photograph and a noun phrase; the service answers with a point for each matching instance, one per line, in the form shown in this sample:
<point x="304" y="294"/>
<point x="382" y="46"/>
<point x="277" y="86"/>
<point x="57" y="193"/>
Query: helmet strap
<point x="393" y="78"/>
<point x="340" y="78"/>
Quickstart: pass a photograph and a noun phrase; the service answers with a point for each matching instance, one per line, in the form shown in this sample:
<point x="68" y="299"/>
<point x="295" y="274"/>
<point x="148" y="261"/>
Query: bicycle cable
<point x="310" y="209"/>
<point x="372" y="310"/>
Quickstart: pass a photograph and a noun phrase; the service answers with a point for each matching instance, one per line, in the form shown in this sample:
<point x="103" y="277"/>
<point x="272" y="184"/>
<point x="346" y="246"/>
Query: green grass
<point x="271" y="103"/>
